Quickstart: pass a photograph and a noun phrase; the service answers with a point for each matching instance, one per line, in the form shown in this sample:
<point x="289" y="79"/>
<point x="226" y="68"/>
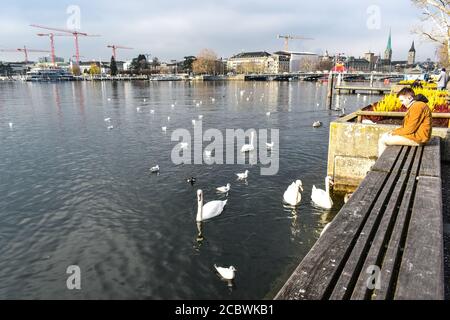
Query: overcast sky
<point x="172" y="29"/>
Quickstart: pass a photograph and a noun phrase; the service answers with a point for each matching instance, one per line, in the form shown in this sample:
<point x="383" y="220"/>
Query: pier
<point x="387" y="241"/>
<point x="361" y="89"/>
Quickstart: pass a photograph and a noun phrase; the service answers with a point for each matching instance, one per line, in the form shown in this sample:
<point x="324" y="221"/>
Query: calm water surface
<point x="73" y="192"/>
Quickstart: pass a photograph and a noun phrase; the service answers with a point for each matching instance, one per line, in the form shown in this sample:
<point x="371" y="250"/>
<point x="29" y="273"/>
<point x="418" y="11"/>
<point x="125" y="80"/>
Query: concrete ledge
<point x="353" y="149"/>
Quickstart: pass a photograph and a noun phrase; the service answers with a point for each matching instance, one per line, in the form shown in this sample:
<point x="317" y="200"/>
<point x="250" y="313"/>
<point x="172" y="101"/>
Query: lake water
<point x="73" y="192"/>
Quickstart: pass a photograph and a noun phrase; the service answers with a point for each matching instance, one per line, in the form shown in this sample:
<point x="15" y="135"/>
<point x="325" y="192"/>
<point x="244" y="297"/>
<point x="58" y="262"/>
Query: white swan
<point x="242" y="176"/>
<point x="322" y="198"/>
<point x="317" y="124"/>
<point x="292" y="194"/>
<point x="224" y="189"/>
<point x="208" y="210"/>
<point x="248" y="147"/>
<point x="226" y="273"/>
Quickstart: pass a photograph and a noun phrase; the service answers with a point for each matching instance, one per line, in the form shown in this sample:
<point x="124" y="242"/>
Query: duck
<point x="243" y="175"/>
<point x="210" y="209"/>
<point x="322" y="198"/>
<point x="317" y="124"/>
<point x="224" y="189"/>
<point x="191" y="180"/>
<point x="226" y="273"/>
<point x="154" y="169"/>
<point x="269" y="146"/>
<point x="248" y="147"/>
<point x="292" y="195"/>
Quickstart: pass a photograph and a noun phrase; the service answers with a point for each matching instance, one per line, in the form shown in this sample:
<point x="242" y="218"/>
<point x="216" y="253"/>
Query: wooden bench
<point x="387" y="241"/>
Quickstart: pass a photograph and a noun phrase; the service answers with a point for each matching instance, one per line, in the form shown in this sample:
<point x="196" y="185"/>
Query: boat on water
<point x="49" y="74"/>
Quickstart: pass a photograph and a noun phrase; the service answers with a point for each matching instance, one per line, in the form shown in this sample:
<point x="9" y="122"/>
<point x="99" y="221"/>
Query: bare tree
<point x="206" y="62"/>
<point x="437" y="13"/>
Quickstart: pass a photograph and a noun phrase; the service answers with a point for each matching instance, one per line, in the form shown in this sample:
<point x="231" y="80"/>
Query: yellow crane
<point x="289" y="37"/>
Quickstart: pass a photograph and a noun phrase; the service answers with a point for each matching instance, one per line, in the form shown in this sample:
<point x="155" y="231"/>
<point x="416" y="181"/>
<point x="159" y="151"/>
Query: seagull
<point x="226" y="273"/>
<point x="138" y="109"/>
<point x="109" y="99"/>
<point x="145" y="99"/>
<point x="224" y="189"/>
<point x="154" y="169"/>
<point x="269" y="146"/>
<point x="197" y="104"/>
<point x="152" y="111"/>
<point x="10" y="125"/>
<point x="317" y="124"/>
<point x="200" y="116"/>
<point x="168" y="118"/>
<point x="191" y="180"/>
<point x="107" y="119"/>
<point x="242" y="176"/>
<point x="110" y="127"/>
<point x="268" y="114"/>
<point x="193" y="122"/>
<point x="172" y="105"/>
<point x="164" y="128"/>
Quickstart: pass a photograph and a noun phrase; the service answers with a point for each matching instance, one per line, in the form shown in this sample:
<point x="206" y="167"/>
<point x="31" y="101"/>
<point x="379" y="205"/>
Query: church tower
<point x="388" y="51"/>
<point x="412" y="54"/>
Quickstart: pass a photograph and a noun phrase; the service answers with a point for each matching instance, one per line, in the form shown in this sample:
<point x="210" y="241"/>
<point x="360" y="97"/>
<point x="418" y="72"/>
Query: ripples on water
<point x="75" y="193"/>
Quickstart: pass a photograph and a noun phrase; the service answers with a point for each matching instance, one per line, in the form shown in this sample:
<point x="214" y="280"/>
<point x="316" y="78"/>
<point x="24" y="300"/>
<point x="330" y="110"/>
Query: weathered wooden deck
<point x="354" y="89"/>
<point x="390" y="230"/>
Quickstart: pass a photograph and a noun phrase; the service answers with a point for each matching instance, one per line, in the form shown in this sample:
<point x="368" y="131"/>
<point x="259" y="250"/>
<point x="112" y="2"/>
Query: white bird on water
<point x="109" y="99"/>
<point x="172" y="105"/>
<point x="317" y="124"/>
<point x="292" y="195"/>
<point x="107" y="119"/>
<point x="268" y="114"/>
<point x="226" y="273"/>
<point x="248" y="147"/>
<point x="10" y="125"/>
<point x="322" y="197"/>
<point x="138" y="109"/>
<point x="193" y="122"/>
<point x="110" y="127"/>
<point x="224" y="189"/>
<point x="164" y="129"/>
<point x="200" y="116"/>
<point x="168" y="118"/>
<point x="208" y="210"/>
<point x="242" y="176"/>
<point x="152" y="111"/>
<point x="154" y="169"/>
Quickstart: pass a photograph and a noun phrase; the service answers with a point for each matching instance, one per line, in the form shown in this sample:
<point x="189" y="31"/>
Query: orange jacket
<point x="416" y="124"/>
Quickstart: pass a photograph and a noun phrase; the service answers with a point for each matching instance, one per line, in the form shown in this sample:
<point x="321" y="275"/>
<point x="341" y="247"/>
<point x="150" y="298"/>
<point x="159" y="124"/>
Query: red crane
<point x="51" y="35"/>
<point x="76" y="34"/>
<point x="114" y="47"/>
<point x="25" y="50"/>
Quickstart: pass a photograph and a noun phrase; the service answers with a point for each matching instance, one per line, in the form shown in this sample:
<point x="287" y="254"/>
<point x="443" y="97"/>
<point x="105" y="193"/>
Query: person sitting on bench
<point x="416" y="127"/>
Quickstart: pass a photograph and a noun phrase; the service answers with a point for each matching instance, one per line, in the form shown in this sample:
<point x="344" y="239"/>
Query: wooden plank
<point x="431" y="159"/>
<point x="344" y="286"/>
<point x="318" y="271"/>
<point x="392" y="257"/>
<point x="421" y="274"/>
<point x="383" y="232"/>
<point x="386" y="161"/>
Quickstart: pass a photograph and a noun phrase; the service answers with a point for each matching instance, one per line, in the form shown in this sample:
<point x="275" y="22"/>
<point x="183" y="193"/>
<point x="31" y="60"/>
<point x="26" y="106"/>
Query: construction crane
<point x="76" y="34"/>
<point x="25" y="50"/>
<point x="51" y="35"/>
<point x="114" y="47"/>
<point x="286" y="40"/>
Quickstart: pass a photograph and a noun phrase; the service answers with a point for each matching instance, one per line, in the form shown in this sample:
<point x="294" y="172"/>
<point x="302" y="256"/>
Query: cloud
<point x="172" y="29"/>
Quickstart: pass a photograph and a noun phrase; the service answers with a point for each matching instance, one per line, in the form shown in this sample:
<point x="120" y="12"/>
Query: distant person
<point x="442" y="80"/>
<point x="416" y="127"/>
<point x="426" y="77"/>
